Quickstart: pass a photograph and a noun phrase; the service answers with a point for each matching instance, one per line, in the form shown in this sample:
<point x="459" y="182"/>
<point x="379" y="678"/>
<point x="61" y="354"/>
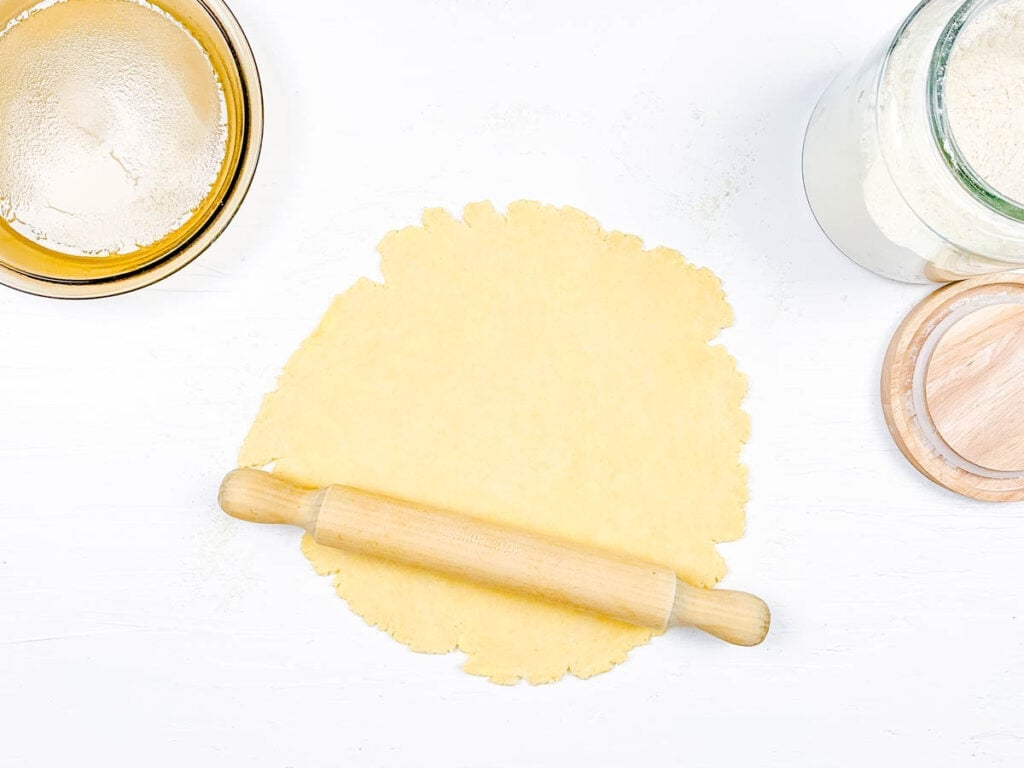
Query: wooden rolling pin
<point x="629" y="590"/>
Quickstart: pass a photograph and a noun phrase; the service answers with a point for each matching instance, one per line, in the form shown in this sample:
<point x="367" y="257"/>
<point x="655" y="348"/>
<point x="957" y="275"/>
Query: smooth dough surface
<point x="531" y="369"/>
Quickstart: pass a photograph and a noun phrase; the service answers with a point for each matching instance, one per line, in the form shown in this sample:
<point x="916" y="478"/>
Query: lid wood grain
<point x="953" y="387"/>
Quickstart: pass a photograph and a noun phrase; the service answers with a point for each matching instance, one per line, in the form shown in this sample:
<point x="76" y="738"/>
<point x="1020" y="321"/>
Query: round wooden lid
<point x="953" y="387"/>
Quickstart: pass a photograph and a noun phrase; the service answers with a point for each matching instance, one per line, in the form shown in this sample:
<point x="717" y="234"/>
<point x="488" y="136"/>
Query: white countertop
<point x="140" y="626"/>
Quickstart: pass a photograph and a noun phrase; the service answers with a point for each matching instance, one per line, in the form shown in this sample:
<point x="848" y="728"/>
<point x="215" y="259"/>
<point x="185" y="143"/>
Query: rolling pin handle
<point x="736" y="617"/>
<point x="258" y="497"/>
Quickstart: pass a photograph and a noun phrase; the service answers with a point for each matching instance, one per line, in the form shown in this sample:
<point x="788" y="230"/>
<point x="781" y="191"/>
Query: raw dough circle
<point x="530" y="369"/>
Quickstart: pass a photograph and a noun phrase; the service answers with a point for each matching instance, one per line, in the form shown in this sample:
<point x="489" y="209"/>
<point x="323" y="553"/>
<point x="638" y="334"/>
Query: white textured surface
<point x="140" y="626"/>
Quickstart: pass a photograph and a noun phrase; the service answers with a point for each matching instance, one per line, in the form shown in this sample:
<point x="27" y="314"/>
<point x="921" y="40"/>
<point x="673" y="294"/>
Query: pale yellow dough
<point x="531" y="369"/>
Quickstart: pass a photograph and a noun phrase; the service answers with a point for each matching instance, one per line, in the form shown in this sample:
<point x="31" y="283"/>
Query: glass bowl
<point x="32" y="265"/>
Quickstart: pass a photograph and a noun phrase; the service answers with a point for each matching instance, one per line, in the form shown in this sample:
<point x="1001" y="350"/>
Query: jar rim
<point x="941" y="128"/>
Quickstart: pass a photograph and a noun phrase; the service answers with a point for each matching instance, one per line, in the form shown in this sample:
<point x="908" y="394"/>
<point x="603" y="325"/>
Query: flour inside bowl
<point x="114" y="125"/>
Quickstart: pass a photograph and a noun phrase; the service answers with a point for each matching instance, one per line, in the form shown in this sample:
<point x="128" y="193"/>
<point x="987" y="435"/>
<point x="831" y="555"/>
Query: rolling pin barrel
<point x="629" y="590"/>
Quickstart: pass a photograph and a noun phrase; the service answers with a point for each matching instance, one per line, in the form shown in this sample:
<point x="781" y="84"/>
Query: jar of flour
<point x="914" y="160"/>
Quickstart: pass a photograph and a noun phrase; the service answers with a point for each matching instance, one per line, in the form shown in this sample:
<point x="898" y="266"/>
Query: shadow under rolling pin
<point x="590" y="579"/>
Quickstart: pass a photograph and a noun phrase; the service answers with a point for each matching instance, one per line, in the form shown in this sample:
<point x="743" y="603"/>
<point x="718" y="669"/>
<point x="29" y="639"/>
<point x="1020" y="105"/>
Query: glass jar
<point x="884" y="173"/>
<point x="40" y="264"/>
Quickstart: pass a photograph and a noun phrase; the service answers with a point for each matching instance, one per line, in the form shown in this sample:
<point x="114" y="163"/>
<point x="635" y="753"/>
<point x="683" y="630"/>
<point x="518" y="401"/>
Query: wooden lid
<point x="953" y="387"/>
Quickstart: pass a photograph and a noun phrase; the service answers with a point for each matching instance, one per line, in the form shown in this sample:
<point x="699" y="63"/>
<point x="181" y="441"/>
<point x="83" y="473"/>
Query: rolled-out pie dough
<point x="531" y="369"/>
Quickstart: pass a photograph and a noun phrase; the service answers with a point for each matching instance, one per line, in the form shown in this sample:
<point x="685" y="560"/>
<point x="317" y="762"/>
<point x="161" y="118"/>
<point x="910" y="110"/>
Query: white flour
<point x="114" y="125"/>
<point x="985" y="96"/>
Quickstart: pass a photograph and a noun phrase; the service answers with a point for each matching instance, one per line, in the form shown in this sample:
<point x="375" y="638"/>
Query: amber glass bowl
<point x="32" y="267"/>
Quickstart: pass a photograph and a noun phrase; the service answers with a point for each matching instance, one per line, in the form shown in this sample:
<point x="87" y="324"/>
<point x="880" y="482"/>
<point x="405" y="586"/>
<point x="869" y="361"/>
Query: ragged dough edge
<point x="396" y="249"/>
<point x="475" y="662"/>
